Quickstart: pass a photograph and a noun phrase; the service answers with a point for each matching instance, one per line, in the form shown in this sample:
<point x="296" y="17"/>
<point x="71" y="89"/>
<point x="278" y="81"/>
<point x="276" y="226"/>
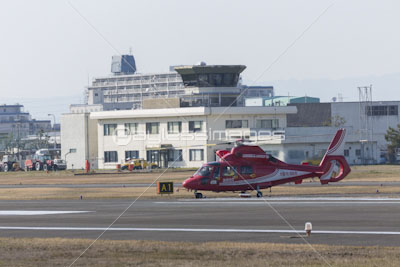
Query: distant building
<point x="193" y="86"/>
<point x="309" y="130"/>
<point x="258" y="91"/>
<point x="17" y="124"/>
<point x="279" y="100"/>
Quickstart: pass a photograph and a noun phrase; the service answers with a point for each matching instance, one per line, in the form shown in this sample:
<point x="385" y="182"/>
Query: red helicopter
<point x="248" y="167"/>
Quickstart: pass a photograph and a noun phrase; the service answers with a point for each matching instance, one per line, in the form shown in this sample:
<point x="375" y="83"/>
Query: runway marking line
<point x="38" y="212"/>
<point x="276" y="202"/>
<point x="196" y="230"/>
<point x="296" y="199"/>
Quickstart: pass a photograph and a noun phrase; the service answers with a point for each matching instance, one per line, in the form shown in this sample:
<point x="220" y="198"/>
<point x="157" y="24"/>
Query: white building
<point x="170" y="137"/>
<point x="78" y="140"/>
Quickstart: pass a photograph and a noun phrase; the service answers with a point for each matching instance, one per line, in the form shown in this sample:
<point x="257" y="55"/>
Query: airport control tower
<point x="210" y="85"/>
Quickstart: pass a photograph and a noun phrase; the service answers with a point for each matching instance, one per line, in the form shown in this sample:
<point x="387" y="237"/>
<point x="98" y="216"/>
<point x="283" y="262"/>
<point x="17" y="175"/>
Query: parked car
<point x="138" y="164"/>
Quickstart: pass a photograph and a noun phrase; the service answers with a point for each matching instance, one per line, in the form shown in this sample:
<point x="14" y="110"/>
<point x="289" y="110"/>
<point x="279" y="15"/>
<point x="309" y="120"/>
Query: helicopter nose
<point x="186" y="184"/>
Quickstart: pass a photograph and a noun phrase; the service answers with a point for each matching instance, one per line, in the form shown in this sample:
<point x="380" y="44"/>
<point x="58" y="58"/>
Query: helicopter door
<point x="216" y="177"/>
<point x="229" y="172"/>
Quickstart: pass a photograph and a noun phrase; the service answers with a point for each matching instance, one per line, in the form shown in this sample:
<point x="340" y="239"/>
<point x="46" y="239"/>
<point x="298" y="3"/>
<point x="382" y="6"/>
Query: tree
<point x="393" y="137"/>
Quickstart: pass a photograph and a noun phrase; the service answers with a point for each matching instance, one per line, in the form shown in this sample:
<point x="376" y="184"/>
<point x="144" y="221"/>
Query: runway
<point x="119" y="185"/>
<point x="336" y="220"/>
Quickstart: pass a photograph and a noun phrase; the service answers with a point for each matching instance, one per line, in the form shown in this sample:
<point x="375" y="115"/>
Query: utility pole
<point x="54" y="132"/>
<point x="366" y="127"/>
<point x="18" y="137"/>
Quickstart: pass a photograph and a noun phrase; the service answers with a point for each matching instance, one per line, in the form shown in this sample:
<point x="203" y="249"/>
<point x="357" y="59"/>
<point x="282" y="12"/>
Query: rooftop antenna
<point x="340" y="97"/>
<point x="86" y="91"/>
<point x="130" y="50"/>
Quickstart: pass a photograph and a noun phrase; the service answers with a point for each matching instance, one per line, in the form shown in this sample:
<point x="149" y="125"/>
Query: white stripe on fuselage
<point x="278" y="174"/>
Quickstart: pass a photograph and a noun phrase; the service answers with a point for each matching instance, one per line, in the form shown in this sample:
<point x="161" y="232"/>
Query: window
<point x="296" y="154"/>
<point x="267" y="124"/>
<point x="132" y="154"/>
<point x="236" y="124"/>
<point x="203" y="80"/>
<point x="358" y="152"/>
<point x="227" y="79"/>
<point x="382" y="110"/>
<point x="110" y="156"/>
<point x="153" y="155"/>
<point x="196" y="154"/>
<point x="152" y="127"/>
<point x="175" y="155"/>
<point x="246" y="170"/>
<point x="346" y="152"/>
<point x="393" y="110"/>
<point x="131" y="128"/>
<point x="204" y="171"/>
<point x="110" y="129"/>
<point x="228" y="171"/>
<point x="195" y="126"/>
<point x="174" y="127"/>
<point x="215" y="79"/>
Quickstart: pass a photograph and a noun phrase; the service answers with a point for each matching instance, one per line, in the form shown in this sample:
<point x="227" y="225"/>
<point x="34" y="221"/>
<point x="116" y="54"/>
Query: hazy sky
<point x="48" y="50"/>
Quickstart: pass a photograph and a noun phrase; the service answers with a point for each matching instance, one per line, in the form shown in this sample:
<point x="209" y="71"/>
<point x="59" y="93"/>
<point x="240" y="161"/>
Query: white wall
<point x="80" y="133"/>
<point x="186" y="141"/>
<point x="379" y="124"/>
<point x="73" y="132"/>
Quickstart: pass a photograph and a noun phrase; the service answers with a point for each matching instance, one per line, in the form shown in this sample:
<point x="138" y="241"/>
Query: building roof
<point x="258" y="86"/>
<point x="191" y="111"/>
<point x="14" y="113"/>
<point x="11" y="106"/>
<point x="205" y="69"/>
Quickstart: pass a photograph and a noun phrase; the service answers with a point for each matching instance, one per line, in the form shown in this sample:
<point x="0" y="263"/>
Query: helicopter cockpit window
<point x="228" y="171"/>
<point x="246" y="170"/>
<point x="204" y="171"/>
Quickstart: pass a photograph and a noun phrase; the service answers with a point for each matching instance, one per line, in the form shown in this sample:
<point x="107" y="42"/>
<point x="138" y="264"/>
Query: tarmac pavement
<point x="336" y="220"/>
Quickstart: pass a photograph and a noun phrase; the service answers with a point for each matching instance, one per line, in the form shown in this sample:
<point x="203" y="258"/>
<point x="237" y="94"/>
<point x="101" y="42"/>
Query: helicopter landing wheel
<point x="198" y="195"/>
<point x="259" y="194"/>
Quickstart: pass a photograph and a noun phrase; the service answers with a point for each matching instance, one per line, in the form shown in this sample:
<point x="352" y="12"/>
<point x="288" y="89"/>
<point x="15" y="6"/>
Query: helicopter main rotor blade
<point x="215" y="144"/>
